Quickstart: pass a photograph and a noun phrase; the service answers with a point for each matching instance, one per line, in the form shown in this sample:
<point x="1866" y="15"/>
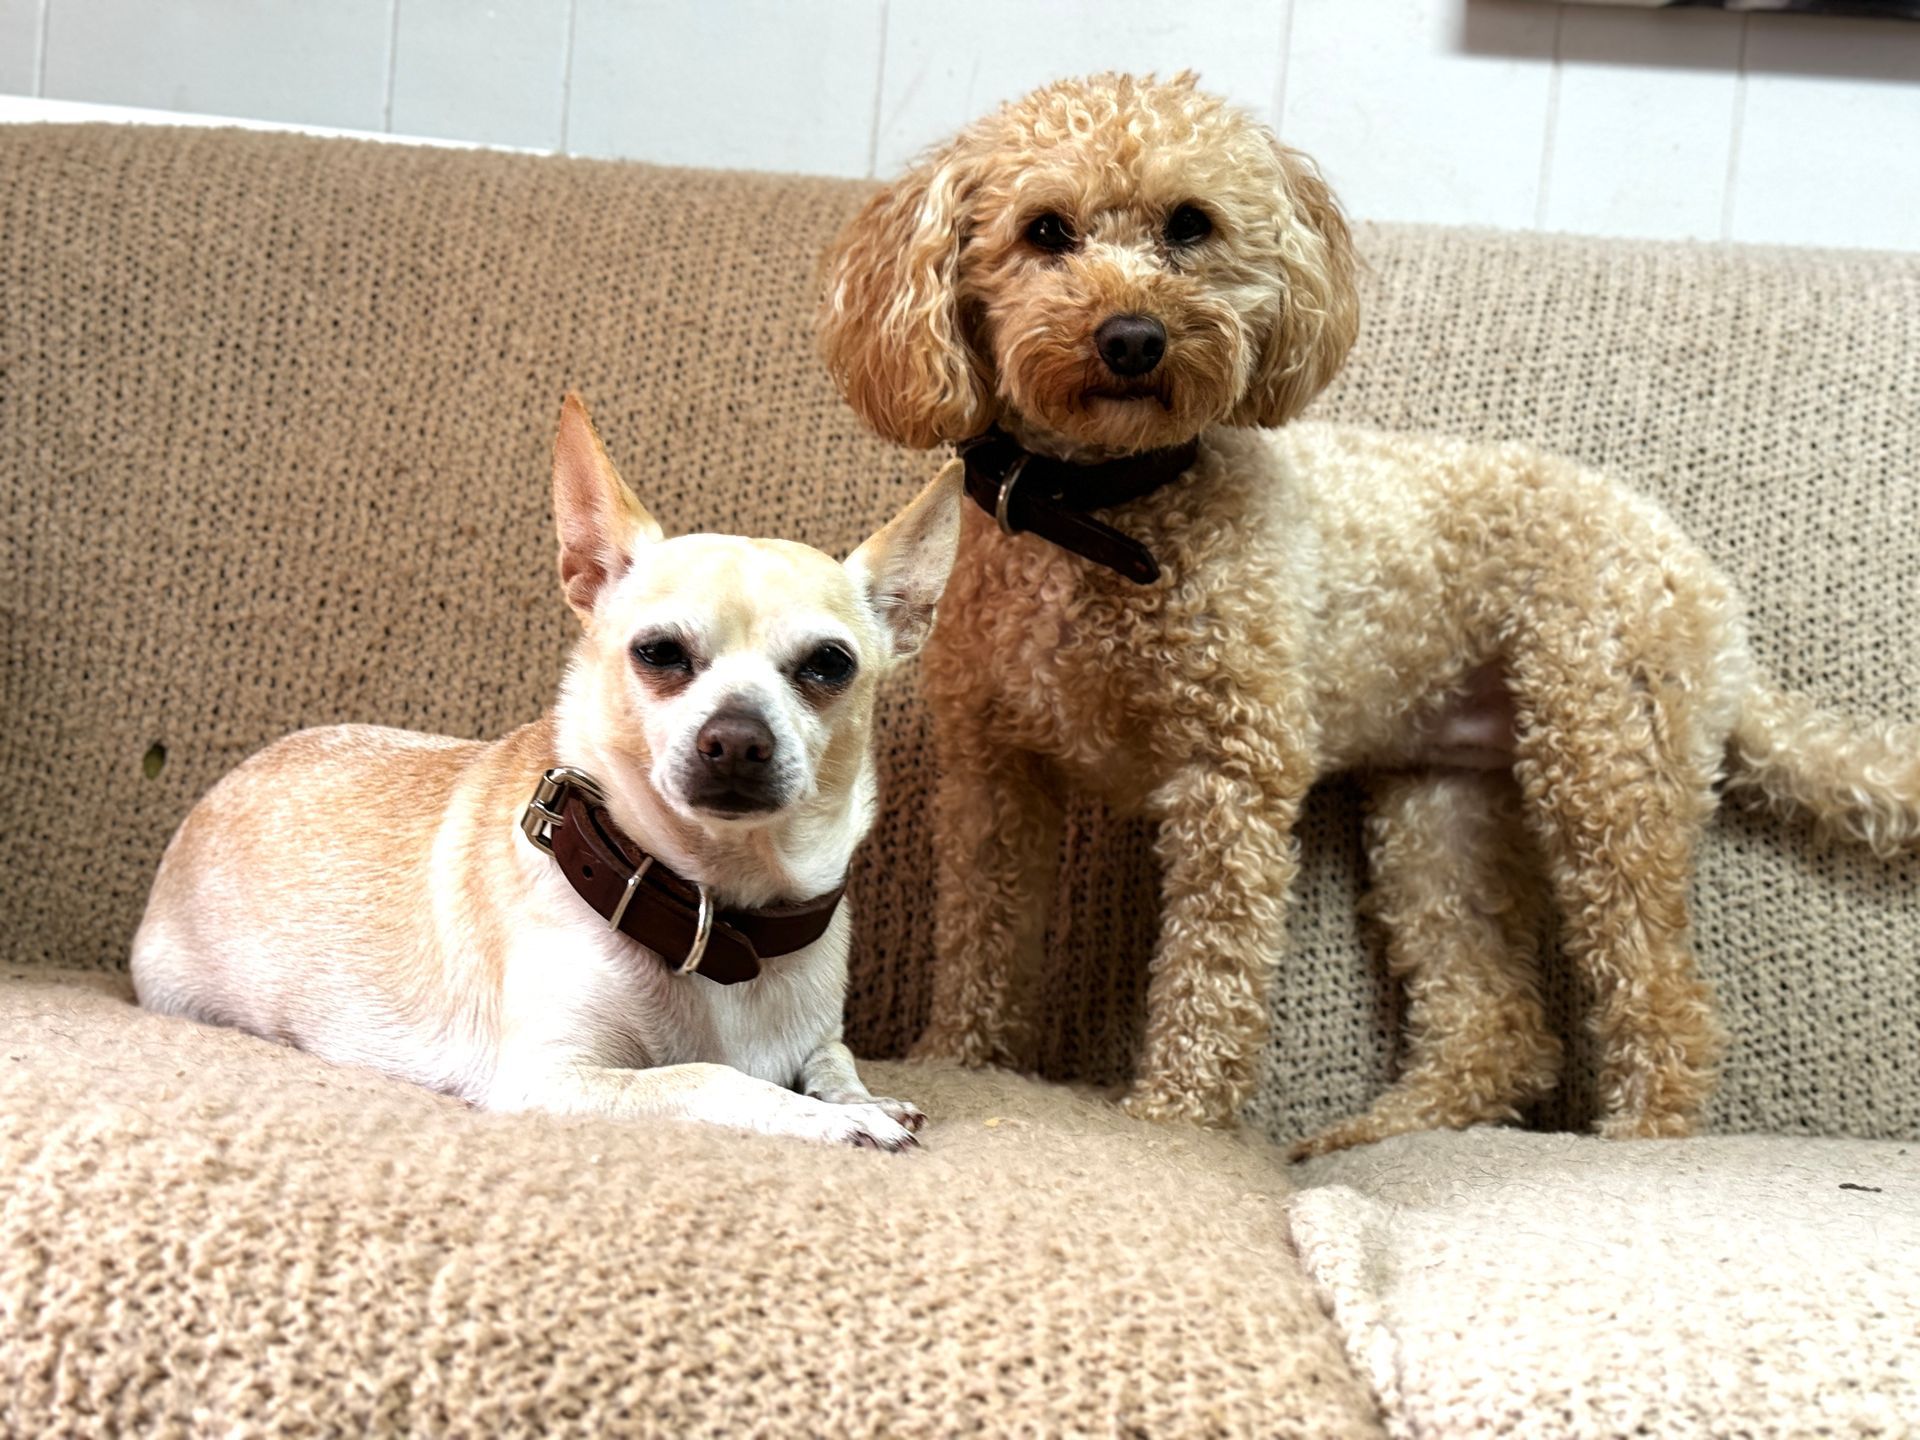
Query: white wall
<point x="1510" y="113"/>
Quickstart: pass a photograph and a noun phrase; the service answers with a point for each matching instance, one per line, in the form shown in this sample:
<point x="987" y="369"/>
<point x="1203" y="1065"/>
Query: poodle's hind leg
<point x="1617" y="773"/>
<point x="1456" y="884"/>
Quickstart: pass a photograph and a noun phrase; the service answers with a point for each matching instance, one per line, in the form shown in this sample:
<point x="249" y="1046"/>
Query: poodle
<point x="1115" y="296"/>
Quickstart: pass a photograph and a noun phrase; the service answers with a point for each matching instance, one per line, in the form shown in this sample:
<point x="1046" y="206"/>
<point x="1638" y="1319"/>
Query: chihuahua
<point x="630" y="906"/>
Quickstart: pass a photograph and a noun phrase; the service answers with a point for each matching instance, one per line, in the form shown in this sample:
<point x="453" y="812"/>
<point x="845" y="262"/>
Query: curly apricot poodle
<point x="1116" y="295"/>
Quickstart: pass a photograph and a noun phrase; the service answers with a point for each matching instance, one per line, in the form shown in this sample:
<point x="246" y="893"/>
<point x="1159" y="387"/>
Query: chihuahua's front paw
<point x="869" y="1125"/>
<point x="903" y="1112"/>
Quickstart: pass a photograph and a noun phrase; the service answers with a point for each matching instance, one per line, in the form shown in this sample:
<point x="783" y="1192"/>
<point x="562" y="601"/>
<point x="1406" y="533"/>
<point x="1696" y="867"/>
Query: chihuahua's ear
<point x="601" y="521"/>
<point x="903" y="568"/>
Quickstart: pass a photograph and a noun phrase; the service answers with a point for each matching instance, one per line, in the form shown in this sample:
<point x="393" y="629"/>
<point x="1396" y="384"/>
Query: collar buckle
<point x="1005" y="498"/>
<point x="1061" y="512"/>
<point x="542" y="814"/>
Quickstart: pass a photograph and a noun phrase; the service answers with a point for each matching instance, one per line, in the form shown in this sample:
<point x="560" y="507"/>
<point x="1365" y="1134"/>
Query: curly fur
<point x="1332" y="599"/>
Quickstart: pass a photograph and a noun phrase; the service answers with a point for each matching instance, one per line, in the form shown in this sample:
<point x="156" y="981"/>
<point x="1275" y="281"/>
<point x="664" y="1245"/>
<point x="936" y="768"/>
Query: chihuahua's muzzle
<point x="736" y="769"/>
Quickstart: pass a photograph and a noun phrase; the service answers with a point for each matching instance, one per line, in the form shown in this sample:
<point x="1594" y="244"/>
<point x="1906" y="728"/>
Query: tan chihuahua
<point x="630" y="906"/>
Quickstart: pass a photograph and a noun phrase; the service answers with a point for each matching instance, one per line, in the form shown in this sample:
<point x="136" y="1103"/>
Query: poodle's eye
<point x="662" y="654"/>
<point x="828" y="665"/>
<point x="1188" y="225"/>
<point x="1052" y="233"/>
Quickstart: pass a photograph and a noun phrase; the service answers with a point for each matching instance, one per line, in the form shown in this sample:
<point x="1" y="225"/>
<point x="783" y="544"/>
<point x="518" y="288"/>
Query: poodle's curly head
<point x="1106" y="266"/>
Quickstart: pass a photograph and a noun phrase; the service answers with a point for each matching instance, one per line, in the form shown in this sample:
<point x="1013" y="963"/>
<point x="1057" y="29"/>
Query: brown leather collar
<point x="645" y="901"/>
<point x="1049" y="497"/>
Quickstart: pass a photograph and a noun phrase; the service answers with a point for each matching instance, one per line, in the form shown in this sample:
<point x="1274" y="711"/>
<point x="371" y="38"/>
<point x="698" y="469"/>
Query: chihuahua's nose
<point x="736" y="744"/>
<point x="1130" y="345"/>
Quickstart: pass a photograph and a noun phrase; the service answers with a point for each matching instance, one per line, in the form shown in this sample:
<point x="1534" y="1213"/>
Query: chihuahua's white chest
<point x="573" y="988"/>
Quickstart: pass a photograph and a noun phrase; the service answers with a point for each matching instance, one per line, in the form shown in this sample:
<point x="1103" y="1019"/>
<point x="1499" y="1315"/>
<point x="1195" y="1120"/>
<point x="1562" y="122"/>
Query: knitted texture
<point x="274" y="420"/>
<point x="228" y="1237"/>
<point x="1499" y="1284"/>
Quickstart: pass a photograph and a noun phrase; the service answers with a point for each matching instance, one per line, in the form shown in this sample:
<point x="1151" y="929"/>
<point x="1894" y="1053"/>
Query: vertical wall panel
<point x="488" y="72"/>
<point x="947" y="64"/>
<point x="1424" y="109"/>
<point x="1494" y="112"/>
<point x="1643" y="127"/>
<point x="19" y="36"/>
<point x="748" y="84"/>
<point x="1830" y="137"/>
<point x="314" y="64"/>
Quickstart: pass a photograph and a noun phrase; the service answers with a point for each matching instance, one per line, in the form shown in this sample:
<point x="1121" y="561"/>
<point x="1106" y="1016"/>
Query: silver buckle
<point x="1005" y="497"/>
<point x="542" y="814"/>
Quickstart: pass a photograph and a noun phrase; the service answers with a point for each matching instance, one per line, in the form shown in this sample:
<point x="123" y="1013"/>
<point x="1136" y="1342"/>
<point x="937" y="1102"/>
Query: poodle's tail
<point x="1860" y="780"/>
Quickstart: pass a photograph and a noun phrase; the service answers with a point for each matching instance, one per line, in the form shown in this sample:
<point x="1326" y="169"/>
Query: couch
<point x="274" y="415"/>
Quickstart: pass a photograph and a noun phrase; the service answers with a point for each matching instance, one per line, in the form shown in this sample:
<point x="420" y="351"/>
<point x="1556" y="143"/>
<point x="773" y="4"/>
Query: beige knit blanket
<point x="1498" y="1283"/>
<point x="202" y="1234"/>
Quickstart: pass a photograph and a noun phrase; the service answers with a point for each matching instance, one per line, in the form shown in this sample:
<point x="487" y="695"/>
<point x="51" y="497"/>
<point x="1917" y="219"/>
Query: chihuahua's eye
<point x="1051" y="232"/>
<point x="1188" y="225"/>
<point x="827" y="665"/>
<point x="662" y="654"/>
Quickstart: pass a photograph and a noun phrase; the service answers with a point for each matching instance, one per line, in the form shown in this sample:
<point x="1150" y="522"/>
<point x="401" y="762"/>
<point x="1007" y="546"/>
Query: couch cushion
<point x="274" y="417"/>
<point x="202" y="1231"/>
<point x="1495" y="1283"/>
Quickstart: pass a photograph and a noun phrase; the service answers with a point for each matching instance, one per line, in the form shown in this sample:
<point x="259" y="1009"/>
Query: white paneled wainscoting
<point x="1512" y="113"/>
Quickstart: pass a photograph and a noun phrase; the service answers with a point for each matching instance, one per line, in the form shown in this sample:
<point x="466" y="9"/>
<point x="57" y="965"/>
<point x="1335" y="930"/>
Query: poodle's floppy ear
<point x="890" y="324"/>
<point x="1319" y="309"/>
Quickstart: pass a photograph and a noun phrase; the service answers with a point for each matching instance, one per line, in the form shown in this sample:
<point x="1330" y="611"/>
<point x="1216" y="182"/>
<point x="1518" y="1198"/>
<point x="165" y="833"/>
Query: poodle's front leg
<point x="996" y="851"/>
<point x="1228" y="857"/>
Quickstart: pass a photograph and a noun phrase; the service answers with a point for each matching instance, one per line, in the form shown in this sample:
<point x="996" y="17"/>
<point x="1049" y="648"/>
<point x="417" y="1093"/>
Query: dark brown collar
<point x="1049" y="497"/>
<point x="636" y="894"/>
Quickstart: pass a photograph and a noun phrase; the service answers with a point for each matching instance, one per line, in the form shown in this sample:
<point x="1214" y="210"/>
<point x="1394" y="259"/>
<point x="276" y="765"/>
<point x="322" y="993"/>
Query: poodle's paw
<point x="972" y="1048"/>
<point x="1362" y="1130"/>
<point x="1165" y="1105"/>
<point x="1406" y="1110"/>
<point x="1648" y="1125"/>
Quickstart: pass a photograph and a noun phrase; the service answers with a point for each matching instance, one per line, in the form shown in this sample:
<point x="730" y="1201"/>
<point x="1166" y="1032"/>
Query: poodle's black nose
<point x="1131" y="344"/>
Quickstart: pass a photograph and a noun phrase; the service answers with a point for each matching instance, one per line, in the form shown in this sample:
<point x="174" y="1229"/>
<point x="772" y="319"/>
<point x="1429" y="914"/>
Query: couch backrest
<point x="274" y="419"/>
